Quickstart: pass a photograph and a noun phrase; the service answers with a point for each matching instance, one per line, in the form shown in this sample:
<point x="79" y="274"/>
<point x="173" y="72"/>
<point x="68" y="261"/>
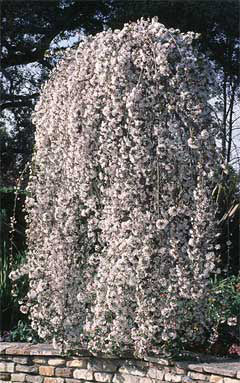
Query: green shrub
<point x="24" y="333"/>
<point x="225" y="299"/>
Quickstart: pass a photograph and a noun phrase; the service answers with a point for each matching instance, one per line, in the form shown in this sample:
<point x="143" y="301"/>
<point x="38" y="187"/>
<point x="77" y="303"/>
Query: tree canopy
<point x="120" y="209"/>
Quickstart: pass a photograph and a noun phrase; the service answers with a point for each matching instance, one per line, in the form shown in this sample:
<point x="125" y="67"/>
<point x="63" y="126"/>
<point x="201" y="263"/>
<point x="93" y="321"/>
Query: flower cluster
<point x="121" y="222"/>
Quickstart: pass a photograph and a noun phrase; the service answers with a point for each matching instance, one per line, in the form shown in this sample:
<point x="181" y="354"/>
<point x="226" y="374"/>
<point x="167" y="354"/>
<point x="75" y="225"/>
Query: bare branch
<point x="16" y="101"/>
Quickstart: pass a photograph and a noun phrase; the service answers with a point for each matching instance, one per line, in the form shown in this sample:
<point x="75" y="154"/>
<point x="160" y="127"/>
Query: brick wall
<point x="22" y="362"/>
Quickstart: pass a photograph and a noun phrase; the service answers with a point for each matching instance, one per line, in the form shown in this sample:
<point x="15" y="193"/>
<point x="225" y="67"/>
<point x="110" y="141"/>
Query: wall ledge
<point x="41" y="363"/>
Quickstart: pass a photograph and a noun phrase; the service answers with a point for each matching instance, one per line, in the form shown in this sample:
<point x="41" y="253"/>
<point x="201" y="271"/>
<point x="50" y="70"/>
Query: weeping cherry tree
<point x="121" y="221"/>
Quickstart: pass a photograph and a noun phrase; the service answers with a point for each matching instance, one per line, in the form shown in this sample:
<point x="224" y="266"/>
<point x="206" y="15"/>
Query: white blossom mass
<point x="121" y="221"/>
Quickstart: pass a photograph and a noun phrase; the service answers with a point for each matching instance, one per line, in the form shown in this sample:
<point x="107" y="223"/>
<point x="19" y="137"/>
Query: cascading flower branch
<point x="121" y="223"/>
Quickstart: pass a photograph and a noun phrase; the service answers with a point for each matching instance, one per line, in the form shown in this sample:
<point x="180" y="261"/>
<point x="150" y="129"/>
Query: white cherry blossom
<point x="120" y="215"/>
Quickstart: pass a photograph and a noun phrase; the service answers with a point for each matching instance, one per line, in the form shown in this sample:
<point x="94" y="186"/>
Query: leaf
<point x="233" y="209"/>
<point x="224" y="217"/>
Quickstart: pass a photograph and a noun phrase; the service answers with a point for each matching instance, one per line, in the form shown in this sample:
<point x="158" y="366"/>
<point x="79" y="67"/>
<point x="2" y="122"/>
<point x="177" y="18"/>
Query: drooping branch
<point x="16" y="101"/>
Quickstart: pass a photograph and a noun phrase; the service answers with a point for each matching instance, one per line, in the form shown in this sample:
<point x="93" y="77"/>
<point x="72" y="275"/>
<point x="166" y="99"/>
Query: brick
<point x="56" y="362"/>
<point x="40" y="360"/>
<point x="18" y="349"/>
<point x="18" y="377"/>
<point x="197" y="376"/>
<point x="21" y="359"/>
<point x="181" y="371"/>
<point x="173" y="378"/>
<point x="125" y="378"/>
<point x="186" y="379"/>
<point x="83" y="374"/>
<point x="34" y="379"/>
<point x="167" y="369"/>
<point x="53" y="380"/>
<point x="103" y="365"/>
<point x="46" y="370"/>
<point x="79" y="363"/>
<point x="24" y="368"/>
<point x="64" y="372"/>
<point x="3" y="347"/>
<point x="103" y="377"/>
<point x="6" y="367"/>
<point x="147" y="380"/>
<point x="154" y="373"/>
<point x="131" y="370"/>
<point x="71" y="381"/>
<point x="5" y="376"/>
<point x="196" y="367"/>
<point x="200" y="381"/>
<point x="228" y="369"/>
<point x="182" y="364"/>
<point x="229" y="380"/>
<point x="216" y="379"/>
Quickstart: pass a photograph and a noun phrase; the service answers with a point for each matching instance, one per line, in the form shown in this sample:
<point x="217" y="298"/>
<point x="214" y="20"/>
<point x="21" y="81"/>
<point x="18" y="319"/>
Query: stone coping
<point x="202" y="364"/>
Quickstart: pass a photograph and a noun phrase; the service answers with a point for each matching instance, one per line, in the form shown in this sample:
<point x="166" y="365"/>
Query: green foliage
<point x="10" y="189"/>
<point x="225" y="299"/>
<point x="12" y="254"/>
<point x="10" y="312"/>
<point x="24" y="333"/>
<point x="224" y="308"/>
<point x="227" y="195"/>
